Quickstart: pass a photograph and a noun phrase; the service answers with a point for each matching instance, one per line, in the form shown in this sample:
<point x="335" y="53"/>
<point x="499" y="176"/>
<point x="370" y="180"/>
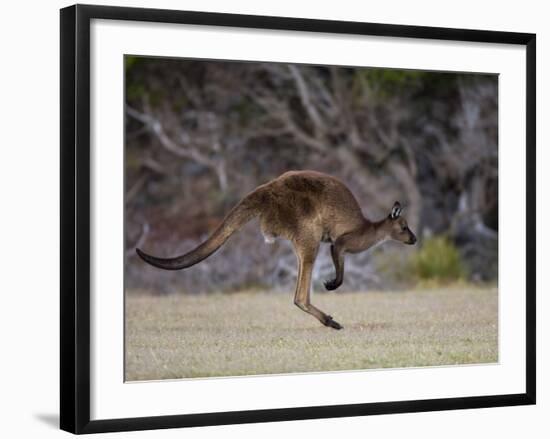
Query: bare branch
<point x="189" y="152"/>
<point x="281" y="113"/>
<point x="306" y="99"/>
<point x="134" y="190"/>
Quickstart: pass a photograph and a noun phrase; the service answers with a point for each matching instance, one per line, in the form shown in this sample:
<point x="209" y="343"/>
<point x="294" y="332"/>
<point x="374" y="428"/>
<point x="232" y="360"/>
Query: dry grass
<point x="256" y="333"/>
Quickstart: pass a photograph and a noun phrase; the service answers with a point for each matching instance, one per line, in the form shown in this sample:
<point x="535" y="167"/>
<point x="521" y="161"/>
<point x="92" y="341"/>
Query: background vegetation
<point x="201" y="134"/>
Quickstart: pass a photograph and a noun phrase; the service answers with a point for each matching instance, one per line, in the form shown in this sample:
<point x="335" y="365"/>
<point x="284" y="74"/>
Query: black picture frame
<point x="75" y="217"/>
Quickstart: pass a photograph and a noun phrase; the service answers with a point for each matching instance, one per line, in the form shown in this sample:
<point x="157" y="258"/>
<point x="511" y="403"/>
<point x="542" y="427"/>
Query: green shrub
<point x="438" y="260"/>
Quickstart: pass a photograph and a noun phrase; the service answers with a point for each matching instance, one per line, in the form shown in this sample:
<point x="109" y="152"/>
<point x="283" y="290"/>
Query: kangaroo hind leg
<point x="306" y="260"/>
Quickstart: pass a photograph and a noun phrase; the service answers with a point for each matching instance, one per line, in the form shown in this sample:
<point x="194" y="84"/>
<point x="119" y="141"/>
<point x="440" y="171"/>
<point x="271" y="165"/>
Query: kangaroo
<point x="306" y="208"/>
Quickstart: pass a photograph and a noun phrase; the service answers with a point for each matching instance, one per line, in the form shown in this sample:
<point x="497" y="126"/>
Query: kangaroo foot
<point x="332" y="323"/>
<point x="332" y="284"/>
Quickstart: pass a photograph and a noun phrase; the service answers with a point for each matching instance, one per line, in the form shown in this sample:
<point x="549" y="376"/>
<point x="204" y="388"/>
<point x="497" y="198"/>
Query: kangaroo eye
<point x="403" y="228"/>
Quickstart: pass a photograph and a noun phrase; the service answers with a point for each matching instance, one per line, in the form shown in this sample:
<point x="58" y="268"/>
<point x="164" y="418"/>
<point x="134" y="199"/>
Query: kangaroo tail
<point x="235" y="219"/>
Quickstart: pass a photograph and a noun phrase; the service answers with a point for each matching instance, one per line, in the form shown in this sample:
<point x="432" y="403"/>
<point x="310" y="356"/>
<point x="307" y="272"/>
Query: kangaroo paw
<point x="332" y="323"/>
<point x="332" y="284"/>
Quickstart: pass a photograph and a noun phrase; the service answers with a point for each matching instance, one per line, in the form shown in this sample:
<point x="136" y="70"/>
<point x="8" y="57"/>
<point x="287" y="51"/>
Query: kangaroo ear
<point x="396" y="210"/>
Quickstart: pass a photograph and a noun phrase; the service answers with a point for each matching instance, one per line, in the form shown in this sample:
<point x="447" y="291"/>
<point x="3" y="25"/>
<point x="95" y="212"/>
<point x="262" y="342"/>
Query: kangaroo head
<point x="396" y="227"/>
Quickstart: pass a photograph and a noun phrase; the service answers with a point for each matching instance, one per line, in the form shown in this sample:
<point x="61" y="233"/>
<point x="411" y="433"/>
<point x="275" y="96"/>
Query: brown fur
<point x="307" y="208"/>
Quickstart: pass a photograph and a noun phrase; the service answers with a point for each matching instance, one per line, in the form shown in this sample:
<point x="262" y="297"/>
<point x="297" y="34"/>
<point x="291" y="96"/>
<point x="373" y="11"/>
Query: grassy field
<point x="257" y="333"/>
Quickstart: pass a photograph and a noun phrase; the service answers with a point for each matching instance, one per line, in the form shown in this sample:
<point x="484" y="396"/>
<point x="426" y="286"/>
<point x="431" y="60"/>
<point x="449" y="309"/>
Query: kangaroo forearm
<point x="338" y="260"/>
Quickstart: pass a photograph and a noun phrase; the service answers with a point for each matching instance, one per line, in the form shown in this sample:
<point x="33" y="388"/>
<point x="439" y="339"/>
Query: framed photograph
<point x="275" y="218"/>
